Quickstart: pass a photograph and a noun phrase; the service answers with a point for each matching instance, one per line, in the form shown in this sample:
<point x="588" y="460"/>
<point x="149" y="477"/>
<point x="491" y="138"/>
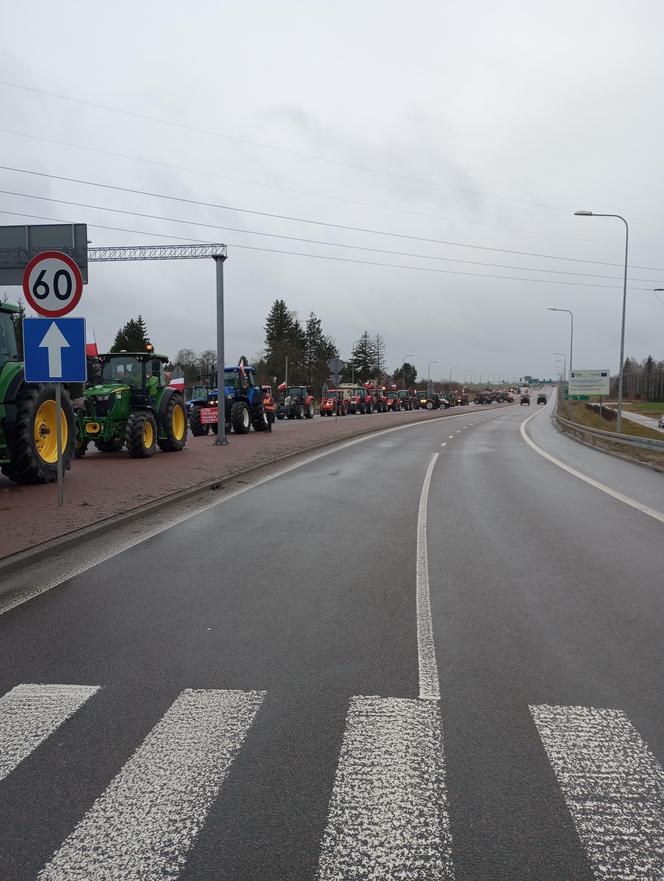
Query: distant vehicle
<point x="297" y="402"/>
<point x="541" y="399"/>
<point x="408" y="400"/>
<point x="660" y="421"/>
<point x="333" y="403"/>
<point x="525" y="399"/>
<point x="393" y="401"/>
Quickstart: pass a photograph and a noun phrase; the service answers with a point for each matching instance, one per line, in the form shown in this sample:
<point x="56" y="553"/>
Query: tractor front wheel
<point x="174" y="425"/>
<point x="299" y="411"/>
<point x="34" y="453"/>
<point x="310" y="411"/>
<point x="197" y="427"/>
<point x="259" y="419"/>
<point x="240" y="417"/>
<point x="141" y="435"/>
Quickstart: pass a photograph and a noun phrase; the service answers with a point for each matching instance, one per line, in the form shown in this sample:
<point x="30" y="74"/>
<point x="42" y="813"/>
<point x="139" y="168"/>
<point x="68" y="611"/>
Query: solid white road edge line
<point x="613" y="786"/>
<point x="7" y="603"/>
<point x="388" y="816"/>
<point x="602" y="487"/>
<point x="30" y="713"/>
<point x="143" y="826"/>
<point x="426" y="649"/>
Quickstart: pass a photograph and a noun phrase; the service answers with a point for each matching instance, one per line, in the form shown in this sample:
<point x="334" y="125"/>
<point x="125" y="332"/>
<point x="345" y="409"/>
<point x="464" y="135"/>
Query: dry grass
<point x="582" y="416"/>
<point x="648" y="408"/>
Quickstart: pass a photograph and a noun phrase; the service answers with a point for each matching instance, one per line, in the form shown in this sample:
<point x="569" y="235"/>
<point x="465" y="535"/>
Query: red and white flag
<point x="91" y="349"/>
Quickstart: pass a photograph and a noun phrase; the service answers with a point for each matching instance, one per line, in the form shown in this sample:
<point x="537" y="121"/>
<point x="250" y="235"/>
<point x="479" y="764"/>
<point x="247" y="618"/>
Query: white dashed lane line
<point x="444" y="444"/>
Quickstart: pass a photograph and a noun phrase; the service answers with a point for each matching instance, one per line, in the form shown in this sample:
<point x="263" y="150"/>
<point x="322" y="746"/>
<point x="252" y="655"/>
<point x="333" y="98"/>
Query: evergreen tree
<point x="132" y="337"/>
<point x="284" y="338"/>
<point x="363" y="358"/>
<point x="409" y="377"/>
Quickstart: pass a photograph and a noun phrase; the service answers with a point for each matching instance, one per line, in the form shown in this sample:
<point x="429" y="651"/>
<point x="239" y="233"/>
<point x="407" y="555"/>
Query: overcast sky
<point x="481" y="124"/>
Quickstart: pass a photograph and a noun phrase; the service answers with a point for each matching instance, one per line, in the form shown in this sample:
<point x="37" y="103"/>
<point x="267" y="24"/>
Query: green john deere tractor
<point x="28" y="439"/>
<point x="132" y="407"/>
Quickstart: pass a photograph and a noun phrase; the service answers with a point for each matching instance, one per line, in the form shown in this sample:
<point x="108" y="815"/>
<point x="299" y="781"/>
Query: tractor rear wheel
<point x="109" y="446"/>
<point x="240" y="417"/>
<point x="174" y="425"/>
<point x="141" y="434"/>
<point x="197" y="427"/>
<point x="34" y="455"/>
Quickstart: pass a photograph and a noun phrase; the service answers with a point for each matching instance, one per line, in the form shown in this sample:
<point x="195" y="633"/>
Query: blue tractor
<point x="243" y="405"/>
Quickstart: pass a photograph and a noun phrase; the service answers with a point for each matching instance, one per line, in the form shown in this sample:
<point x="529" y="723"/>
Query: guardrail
<point x="594" y="434"/>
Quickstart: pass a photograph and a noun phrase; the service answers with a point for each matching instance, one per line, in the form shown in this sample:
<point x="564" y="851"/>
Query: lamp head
<point x="583" y="213"/>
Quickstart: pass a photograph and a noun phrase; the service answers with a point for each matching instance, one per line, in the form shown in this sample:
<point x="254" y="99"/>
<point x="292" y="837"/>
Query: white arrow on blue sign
<point x="54" y="349"/>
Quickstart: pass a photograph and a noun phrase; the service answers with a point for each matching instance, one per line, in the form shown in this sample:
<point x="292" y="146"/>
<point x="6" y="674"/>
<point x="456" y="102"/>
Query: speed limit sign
<point x="52" y="284"/>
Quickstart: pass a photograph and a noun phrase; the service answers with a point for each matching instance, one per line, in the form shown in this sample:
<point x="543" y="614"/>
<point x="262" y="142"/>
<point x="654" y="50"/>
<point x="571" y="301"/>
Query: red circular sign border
<point x="78" y="278"/>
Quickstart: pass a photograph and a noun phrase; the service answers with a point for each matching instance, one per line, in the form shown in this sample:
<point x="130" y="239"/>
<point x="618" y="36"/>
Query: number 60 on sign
<point x="52" y="284"/>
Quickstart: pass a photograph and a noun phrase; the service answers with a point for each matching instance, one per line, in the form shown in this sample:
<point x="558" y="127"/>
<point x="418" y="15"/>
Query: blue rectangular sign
<point x="54" y="349"/>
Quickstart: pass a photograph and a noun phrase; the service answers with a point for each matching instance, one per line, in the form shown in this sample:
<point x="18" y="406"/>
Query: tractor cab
<point x="8" y="349"/>
<point x="142" y="373"/>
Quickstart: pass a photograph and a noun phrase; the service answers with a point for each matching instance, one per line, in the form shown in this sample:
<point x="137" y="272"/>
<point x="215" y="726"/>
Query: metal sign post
<point x="54" y="352"/>
<point x="221" y="439"/>
<point x="58" y="430"/>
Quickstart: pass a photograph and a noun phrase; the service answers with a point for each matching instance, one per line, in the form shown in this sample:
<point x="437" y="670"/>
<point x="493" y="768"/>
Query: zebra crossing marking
<point x="388" y="816"/>
<point x="29" y="713"/>
<point x="613" y="786"/>
<point x="143" y="826"/>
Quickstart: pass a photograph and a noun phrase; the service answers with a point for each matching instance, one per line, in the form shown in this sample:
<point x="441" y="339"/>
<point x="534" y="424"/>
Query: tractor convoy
<point x="129" y="404"/>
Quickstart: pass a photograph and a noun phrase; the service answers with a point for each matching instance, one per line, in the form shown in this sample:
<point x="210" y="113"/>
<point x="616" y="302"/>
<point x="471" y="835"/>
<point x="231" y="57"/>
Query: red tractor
<point x="333" y="404"/>
<point x="393" y="401"/>
<point x="297" y="402"/>
<point x="354" y="398"/>
<point x="374" y="398"/>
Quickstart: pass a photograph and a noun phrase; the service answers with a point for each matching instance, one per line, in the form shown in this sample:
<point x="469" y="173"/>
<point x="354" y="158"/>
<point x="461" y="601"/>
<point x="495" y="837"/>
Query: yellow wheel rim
<point x="45" y="434"/>
<point x="148" y="435"/>
<point x="178" y="422"/>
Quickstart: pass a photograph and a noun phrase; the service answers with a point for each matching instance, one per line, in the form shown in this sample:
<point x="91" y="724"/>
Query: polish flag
<point x="177" y="383"/>
<point x="91" y="349"/>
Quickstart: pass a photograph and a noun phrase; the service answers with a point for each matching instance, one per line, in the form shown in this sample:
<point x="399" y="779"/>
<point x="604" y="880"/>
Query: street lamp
<point x="429" y="376"/>
<point x="624" y="307"/>
<point x="456" y="367"/>
<point x="571" y="345"/>
<point x="403" y="376"/>
<point x="564" y="357"/>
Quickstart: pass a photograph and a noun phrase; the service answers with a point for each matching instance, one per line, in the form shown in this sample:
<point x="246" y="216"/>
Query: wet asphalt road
<point x="545" y="592"/>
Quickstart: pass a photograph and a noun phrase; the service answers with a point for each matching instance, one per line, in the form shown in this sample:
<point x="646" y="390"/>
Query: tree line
<point x="643" y="380"/>
<point x="294" y="351"/>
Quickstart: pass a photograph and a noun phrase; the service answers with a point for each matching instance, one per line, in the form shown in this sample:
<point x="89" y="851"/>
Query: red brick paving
<point x="104" y="485"/>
